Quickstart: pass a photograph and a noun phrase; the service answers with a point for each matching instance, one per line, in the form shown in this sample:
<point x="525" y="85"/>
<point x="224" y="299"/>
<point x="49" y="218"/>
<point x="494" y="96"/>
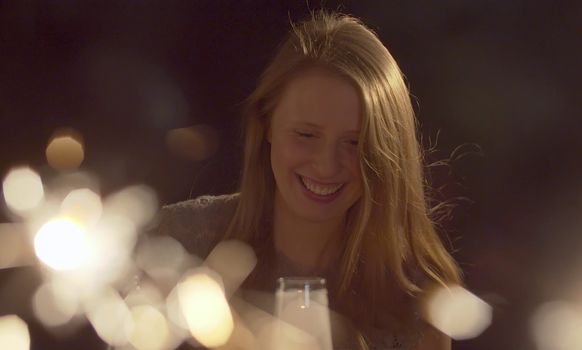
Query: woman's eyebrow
<point x="319" y="127"/>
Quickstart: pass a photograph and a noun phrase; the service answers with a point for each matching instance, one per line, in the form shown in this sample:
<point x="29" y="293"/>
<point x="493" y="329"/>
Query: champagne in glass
<point x="302" y="309"/>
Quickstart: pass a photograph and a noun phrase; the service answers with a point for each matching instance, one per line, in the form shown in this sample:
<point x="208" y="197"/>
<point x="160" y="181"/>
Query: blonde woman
<point x="333" y="185"/>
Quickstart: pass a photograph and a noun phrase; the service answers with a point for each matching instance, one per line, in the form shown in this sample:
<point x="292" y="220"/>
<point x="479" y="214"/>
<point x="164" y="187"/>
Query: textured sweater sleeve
<point x="198" y="224"/>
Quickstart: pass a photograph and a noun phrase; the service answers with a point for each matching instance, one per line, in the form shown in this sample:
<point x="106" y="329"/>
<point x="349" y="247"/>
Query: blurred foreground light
<point x="205" y="308"/>
<point x="14" y="333"/>
<point x="111" y="318"/>
<point x="65" y="150"/>
<point x="15" y="247"/>
<point x="196" y="143"/>
<point x="161" y="257"/>
<point x="557" y="326"/>
<point x="110" y="243"/>
<point x="234" y="261"/>
<point x="151" y="328"/>
<point x="61" y="244"/>
<point x="83" y="205"/>
<point x="23" y="189"/>
<point x="458" y="313"/>
<point x="54" y="304"/>
<point x="137" y="203"/>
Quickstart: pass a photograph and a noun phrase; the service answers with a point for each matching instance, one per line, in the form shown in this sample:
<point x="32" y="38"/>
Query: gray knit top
<point x="199" y="224"/>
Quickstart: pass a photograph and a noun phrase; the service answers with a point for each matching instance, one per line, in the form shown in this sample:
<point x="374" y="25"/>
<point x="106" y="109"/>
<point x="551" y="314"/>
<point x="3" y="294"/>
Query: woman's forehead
<point x="317" y="98"/>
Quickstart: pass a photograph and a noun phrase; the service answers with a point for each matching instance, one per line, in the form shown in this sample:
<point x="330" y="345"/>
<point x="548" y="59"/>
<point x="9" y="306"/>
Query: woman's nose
<point x="326" y="162"/>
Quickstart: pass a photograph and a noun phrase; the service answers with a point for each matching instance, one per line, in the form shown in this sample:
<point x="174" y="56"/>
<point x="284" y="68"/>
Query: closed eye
<point x="306" y="135"/>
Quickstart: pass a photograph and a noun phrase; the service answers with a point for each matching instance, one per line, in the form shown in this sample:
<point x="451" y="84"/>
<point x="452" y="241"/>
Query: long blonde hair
<point x="391" y="235"/>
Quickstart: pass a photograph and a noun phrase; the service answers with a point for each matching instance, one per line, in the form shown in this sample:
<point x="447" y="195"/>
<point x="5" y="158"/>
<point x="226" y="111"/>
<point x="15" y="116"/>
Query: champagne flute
<point x="302" y="309"/>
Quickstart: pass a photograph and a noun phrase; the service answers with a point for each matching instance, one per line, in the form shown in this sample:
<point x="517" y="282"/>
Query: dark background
<point x="500" y="79"/>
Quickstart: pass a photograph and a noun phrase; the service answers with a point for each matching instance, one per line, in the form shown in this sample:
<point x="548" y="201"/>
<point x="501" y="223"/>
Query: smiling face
<point x="314" y="146"/>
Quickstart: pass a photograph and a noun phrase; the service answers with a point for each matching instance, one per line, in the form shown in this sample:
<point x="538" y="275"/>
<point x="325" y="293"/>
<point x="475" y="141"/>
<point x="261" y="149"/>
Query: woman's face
<point x="314" y="146"/>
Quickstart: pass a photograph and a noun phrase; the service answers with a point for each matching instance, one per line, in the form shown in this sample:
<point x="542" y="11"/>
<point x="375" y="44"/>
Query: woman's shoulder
<point x="198" y="224"/>
<point x="206" y="204"/>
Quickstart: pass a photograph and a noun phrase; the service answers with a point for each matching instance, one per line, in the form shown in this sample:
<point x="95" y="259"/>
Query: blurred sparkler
<point x="14" y="333"/>
<point x="457" y="312"/>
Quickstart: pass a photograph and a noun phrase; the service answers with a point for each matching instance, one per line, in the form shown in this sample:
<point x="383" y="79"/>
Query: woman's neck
<point x="311" y="245"/>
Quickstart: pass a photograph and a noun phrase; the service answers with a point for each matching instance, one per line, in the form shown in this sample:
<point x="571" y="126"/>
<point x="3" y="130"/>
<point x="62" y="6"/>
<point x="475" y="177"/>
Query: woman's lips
<point x="318" y="197"/>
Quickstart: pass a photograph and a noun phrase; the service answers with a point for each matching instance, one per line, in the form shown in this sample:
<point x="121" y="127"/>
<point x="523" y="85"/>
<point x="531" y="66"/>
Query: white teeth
<point x="320" y="190"/>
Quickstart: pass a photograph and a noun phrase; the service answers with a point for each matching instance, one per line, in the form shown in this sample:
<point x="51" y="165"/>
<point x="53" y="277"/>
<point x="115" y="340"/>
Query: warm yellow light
<point x="205" y="308"/>
<point x="196" y="143"/>
<point x="234" y="261"/>
<point x="557" y="326"/>
<point x="65" y="150"/>
<point x="110" y="244"/>
<point x="55" y="304"/>
<point x="151" y="329"/>
<point x="162" y="258"/>
<point x="136" y="203"/>
<point x="61" y="244"/>
<point x="458" y="313"/>
<point x="83" y="205"/>
<point x="111" y="318"/>
<point x="22" y="189"/>
<point x="14" y="333"/>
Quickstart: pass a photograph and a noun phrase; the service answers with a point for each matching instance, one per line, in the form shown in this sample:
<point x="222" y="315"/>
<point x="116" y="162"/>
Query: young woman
<point x="333" y="184"/>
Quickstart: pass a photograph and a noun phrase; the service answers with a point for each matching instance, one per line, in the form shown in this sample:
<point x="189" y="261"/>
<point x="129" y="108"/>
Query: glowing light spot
<point x="14" y="333"/>
<point x="162" y="258"/>
<point x="136" y="203"/>
<point x="557" y="326"/>
<point x="205" y="308"/>
<point x="234" y="261"/>
<point x="23" y="189"/>
<point x="111" y="318"/>
<point x="110" y="242"/>
<point x="65" y="150"/>
<point x="61" y="244"/>
<point x="194" y="143"/>
<point x="151" y="329"/>
<point x="458" y="313"/>
<point x="83" y="205"/>
<point x="174" y="311"/>
<point x="146" y="294"/>
<point x="54" y="304"/>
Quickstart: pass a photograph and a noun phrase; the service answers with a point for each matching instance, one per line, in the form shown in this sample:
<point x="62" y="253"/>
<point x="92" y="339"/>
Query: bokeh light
<point x="82" y="205"/>
<point x="22" y="189"/>
<point x="137" y="203"/>
<point x="55" y="304"/>
<point x="557" y="325"/>
<point x="234" y="261"/>
<point x="162" y="258"/>
<point x="458" y="313"/>
<point x="205" y="308"/>
<point x="65" y="150"/>
<point x="61" y="244"/>
<point x="14" y="333"/>
<point x="110" y="317"/>
<point x="151" y="328"/>
<point x="195" y="143"/>
<point x="145" y="293"/>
